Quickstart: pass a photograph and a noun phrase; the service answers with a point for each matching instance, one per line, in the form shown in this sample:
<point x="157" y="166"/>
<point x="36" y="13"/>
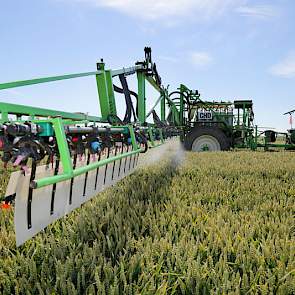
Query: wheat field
<point x="219" y="223"/>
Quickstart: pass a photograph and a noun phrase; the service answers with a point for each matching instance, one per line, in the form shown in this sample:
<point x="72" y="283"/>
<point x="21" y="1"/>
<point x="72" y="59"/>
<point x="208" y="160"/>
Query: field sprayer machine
<point x="222" y="125"/>
<point x="64" y="159"/>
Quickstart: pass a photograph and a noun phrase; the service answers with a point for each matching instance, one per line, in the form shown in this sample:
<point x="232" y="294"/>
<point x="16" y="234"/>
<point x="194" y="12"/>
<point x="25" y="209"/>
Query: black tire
<point x="216" y="133"/>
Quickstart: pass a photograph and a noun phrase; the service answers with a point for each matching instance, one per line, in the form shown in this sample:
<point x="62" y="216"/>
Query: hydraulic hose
<point x="128" y="100"/>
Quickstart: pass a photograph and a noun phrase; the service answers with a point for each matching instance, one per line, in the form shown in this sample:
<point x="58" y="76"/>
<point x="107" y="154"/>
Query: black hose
<point x="129" y="104"/>
<point x="114" y="120"/>
<point x="143" y="141"/>
<point x="190" y="105"/>
<point x="181" y="93"/>
<point x="120" y="90"/>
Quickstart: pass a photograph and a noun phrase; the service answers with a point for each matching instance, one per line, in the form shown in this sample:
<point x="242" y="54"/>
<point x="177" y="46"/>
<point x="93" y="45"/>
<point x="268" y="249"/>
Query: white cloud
<point x="169" y="9"/>
<point x="258" y="11"/>
<point x="285" y="68"/>
<point x="200" y="59"/>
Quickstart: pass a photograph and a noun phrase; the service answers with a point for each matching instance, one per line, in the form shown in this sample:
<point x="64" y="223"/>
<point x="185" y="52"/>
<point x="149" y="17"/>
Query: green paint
<point x="153" y="83"/>
<point x="81" y="170"/>
<point x="103" y="93"/>
<point x="163" y="106"/>
<point x="161" y="136"/>
<point x="45" y="80"/>
<point x="133" y="138"/>
<point x="16" y="109"/>
<point x="63" y="147"/>
<point x="141" y="97"/>
<point x="152" y="140"/>
<point x="111" y="94"/>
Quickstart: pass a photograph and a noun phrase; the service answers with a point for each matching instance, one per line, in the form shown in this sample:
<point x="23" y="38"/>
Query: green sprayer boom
<point x="64" y="159"/>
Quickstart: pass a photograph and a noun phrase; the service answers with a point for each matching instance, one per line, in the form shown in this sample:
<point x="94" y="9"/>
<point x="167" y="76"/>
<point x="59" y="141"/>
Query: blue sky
<point x="228" y="49"/>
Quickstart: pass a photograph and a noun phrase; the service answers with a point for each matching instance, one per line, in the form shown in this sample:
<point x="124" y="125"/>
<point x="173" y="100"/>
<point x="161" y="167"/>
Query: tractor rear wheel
<point x="201" y="139"/>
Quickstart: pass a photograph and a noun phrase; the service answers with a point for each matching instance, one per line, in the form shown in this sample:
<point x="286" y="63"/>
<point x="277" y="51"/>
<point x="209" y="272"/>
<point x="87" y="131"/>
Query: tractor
<point x="211" y="125"/>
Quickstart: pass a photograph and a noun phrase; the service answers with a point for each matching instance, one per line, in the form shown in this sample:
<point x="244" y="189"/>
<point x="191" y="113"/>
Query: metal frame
<point x="58" y="120"/>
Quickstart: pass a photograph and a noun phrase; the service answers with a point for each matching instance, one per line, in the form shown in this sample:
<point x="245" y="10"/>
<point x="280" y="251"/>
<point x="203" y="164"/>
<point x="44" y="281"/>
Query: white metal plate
<point x="97" y="180"/>
<point x="41" y="214"/>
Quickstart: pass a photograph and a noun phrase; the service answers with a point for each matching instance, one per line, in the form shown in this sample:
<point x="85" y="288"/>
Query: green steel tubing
<point x="152" y="141"/>
<point x="126" y="71"/>
<point x="163" y="105"/>
<point x="103" y="92"/>
<point x="256" y="137"/>
<point x="157" y="145"/>
<point x="184" y="88"/>
<point x="150" y="131"/>
<point x="181" y="108"/>
<point x="16" y="109"/>
<point x="133" y="138"/>
<point x="111" y="93"/>
<point x="153" y="83"/>
<point x="79" y="171"/>
<point x="4" y="116"/>
<point x="141" y="97"/>
<point x="175" y="112"/>
<point x="45" y="80"/>
<point x="63" y="147"/>
<point x="161" y="136"/>
<point x="93" y="166"/>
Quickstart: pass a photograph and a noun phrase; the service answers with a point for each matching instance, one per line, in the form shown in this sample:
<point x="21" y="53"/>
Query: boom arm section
<point x="63" y="159"/>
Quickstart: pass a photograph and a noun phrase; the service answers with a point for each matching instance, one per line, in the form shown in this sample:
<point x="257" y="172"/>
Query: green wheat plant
<point x="219" y="223"/>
